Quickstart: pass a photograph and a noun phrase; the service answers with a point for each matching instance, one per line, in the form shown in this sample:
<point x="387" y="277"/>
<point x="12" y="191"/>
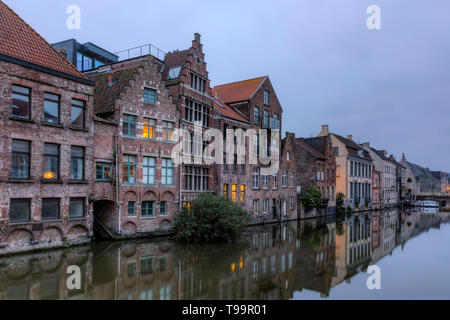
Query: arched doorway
<point x="104" y="218"/>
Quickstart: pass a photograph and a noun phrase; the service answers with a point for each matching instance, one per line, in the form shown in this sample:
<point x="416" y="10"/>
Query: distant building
<point x="86" y="56"/>
<point x="420" y="181"/>
<point x="443" y="177"/>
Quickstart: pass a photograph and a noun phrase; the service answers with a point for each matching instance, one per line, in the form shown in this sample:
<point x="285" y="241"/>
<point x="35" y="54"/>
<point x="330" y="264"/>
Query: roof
<point x="105" y="95"/>
<point x="18" y="40"/>
<point x="174" y="59"/>
<point x="227" y="111"/>
<point x="348" y="143"/>
<point x="300" y="142"/>
<point x="239" y="91"/>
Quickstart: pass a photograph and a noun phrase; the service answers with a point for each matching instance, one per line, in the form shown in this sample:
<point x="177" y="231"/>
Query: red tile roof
<point x="20" y="41"/>
<point x="227" y="111"/>
<point x="239" y="91"/>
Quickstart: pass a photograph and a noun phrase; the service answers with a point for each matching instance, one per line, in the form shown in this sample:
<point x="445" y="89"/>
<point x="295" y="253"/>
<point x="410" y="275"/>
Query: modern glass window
<point x="129" y="125"/>
<point x="51" y="108"/>
<point x="76" y="208"/>
<point x="150" y="96"/>
<point x="131" y="208"/>
<point x="77" y="113"/>
<point x="19" y="210"/>
<point x="21" y="102"/>
<point x="168" y="129"/>
<point x="167" y="172"/>
<point x="149" y="129"/>
<point x="256" y="115"/>
<point x="255" y="178"/>
<point x="148" y="209"/>
<point x="129" y="169"/>
<point x="20" y="159"/>
<point x="51" y="161"/>
<point x="77" y="163"/>
<point x="242" y="193"/>
<point x="163" y="208"/>
<point x="50" y="209"/>
<point x="149" y="168"/>
<point x="103" y="171"/>
<point x="266" y="98"/>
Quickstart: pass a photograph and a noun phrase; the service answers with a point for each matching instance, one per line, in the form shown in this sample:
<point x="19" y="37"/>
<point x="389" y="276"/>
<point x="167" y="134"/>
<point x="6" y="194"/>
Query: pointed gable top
<point x="18" y="40"/>
<point x="239" y="91"/>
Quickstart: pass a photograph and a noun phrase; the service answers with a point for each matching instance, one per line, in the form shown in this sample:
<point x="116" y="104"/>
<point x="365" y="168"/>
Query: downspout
<point x="117" y="188"/>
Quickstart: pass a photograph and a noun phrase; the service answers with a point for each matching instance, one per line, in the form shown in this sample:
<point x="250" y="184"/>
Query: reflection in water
<point x="272" y="262"/>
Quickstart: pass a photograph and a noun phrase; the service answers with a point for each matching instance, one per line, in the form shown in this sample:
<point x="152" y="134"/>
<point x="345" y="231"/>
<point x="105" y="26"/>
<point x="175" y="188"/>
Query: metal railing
<point x="141" y="51"/>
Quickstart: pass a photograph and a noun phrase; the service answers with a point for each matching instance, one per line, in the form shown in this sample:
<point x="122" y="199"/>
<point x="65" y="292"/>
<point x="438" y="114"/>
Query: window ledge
<point x="20" y="181"/>
<point x="51" y="220"/>
<point x="77" y="219"/>
<point x="78" y="182"/>
<point x="147" y="218"/>
<point x="54" y="125"/>
<point x="25" y="223"/>
<point x="51" y="181"/>
<point x="22" y="119"/>
<point x="78" y="129"/>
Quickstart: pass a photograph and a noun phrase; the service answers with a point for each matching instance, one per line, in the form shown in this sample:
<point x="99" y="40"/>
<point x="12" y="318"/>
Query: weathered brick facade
<point x="36" y="232"/>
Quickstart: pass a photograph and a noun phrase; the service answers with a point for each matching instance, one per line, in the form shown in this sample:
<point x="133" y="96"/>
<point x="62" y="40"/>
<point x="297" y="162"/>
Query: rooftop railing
<point x="141" y="51"/>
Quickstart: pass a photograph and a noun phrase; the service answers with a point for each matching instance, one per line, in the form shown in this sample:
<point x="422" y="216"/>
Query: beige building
<point x="353" y="170"/>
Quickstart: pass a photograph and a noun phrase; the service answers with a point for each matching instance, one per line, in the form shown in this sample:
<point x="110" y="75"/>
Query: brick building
<point x="315" y="166"/>
<point x="257" y="101"/>
<point x="46" y="167"/>
<point x="135" y="127"/>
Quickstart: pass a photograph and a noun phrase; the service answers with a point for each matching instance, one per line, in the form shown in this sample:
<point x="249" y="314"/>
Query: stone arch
<point x="20" y="238"/>
<point x="130" y="196"/>
<point x="129" y="229"/>
<point x="149" y="196"/>
<point x="168" y="196"/>
<point x="51" y="236"/>
<point x="77" y="232"/>
<point x="165" y="225"/>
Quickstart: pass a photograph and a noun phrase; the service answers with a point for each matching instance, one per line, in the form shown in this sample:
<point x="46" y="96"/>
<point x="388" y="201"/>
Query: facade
<point x="443" y="177"/>
<point x="388" y="169"/>
<point x="46" y="167"/>
<point x="353" y="170"/>
<point x="136" y="125"/>
<point x="257" y="101"/>
<point x="419" y="180"/>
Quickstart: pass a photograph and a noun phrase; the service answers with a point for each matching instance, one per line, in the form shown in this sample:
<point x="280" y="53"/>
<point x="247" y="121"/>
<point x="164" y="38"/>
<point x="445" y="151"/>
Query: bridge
<point x="443" y="199"/>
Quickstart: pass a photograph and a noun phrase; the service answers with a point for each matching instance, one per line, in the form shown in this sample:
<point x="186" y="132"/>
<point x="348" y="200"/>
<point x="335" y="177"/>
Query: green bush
<point x="340" y="200"/>
<point x="210" y="219"/>
<point x="311" y="199"/>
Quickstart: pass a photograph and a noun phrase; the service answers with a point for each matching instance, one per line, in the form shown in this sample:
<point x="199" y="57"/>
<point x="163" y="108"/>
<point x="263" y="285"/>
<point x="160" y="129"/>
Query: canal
<point x="325" y="258"/>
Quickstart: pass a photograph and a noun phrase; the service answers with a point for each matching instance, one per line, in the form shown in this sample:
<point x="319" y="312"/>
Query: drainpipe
<point x="117" y="189"/>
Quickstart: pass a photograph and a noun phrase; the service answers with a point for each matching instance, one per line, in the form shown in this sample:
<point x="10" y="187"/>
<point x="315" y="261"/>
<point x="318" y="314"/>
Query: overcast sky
<point x="390" y="86"/>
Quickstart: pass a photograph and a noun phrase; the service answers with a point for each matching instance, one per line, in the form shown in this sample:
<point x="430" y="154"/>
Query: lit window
<point x="234" y="193"/>
<point x="103" y="171"/>
<point x="149" y="129"/>
<point x="242" y="193"/>
<point x="51" y="160"/>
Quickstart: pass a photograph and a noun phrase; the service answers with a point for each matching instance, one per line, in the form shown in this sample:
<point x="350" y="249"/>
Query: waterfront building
<point x="46" y="164"/>
<point x="353" y="170"/>
<point x="420" y="180"/>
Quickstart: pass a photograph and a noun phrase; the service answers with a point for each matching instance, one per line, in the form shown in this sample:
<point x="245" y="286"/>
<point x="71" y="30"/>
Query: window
<point x="19" y="210"/>
<point x="242" y="193"/>
<point x="197" y="82"/>
<point x="275" y="181"/>
<point x="129" y="169"/>
<point x="266" y="98"/>
<point x="256" y="115"/>
<point x="131" y="208"/>
<point x="291" y="203"/>
<point x="148" y="209"/>
<point x="291" y="179"/>
<point x="21" y="102"/>
<point x="255" y="178"/>
<point x="266" y="119"/>
<point x="20" y="159"/>
<point x="147" y="265"/>
<point x="265" y="205"/>
<point x="265" y="182"/>
<point x="77" y="113"/>
<point x="284" y="179"/>
<point x="77" y="163"/>
<point x="51" y="161"/>
<point x="149" y="168"/>
<point x="255" y="206"/>
<point x="163" y="208"/>
<point x="168" y="129"/>
<point x="167" y="172"/>
<point x="51" y="108"/>
<point x="351" y="168"/>
<point x="196" y="178"/>
<point x="225" y="190"/>
<point x="288" y="156"/>
<point x="234" y="193"/>
<point x="129" y="125"/>
<point x="336" y="151"/>
<point x="76" y="208"/>
<point x="149" y="129"/>
<point x="50" y="209"/>
<point x="103" y="171"/>
<point x="150" y="96"/>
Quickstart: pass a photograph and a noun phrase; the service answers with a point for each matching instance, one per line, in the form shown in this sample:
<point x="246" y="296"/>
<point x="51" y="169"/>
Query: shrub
<point x="340" y="200"/>
<point x="311" y="199"/>
<point x="210" y="219"/>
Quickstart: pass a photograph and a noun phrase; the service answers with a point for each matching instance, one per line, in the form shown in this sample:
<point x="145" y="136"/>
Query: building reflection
<point x="272" y="262"/>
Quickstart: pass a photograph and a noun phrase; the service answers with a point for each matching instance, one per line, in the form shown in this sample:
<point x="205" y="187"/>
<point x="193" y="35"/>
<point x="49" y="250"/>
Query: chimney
<point x="197" y="37"/>
<point x="325" y="131"/>
<point x="350" y="137"/>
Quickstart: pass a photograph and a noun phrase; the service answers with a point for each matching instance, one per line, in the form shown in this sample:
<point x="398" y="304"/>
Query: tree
<point x="210" y="219"/>
<point x="311" y="199"/>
